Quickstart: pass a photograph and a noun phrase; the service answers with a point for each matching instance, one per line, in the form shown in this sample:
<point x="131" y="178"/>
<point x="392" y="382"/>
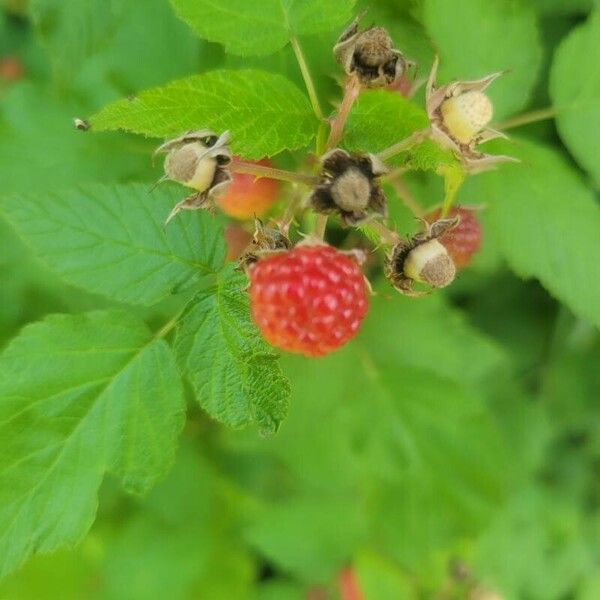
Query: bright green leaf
<point x="105" y="396"/>
<point x="245" y="30"/>
<point x="546" y="222"/>
<point x="235" y="374"/>
<point x="575" y="91"/>
<point x="381" y="579"/>
<point x="111" y="239"/>
<point x="478" y="37"/>
<point x="265" y="113"/>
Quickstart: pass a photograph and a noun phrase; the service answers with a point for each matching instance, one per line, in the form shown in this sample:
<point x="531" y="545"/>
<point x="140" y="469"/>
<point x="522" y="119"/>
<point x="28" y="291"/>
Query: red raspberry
<point x="11" y="69"/>
<point x="247" y="196"/>
<point x="310" y="300"/>
<point x="348" y="585"/>
<point x="464" y="240"/>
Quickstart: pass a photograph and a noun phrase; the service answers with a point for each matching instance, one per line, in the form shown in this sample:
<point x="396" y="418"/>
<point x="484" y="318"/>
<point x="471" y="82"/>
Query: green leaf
<point x="235" y="374"/>
<point x="104" y="396"/>
<point x="111" y="239"/>
<point x="312" y="537"/>
<point x="478" y="37"/>
<point x="381" y="579"/>
<point x="575" y="92"/>
<point x="381" y="118"/>
<point x="546" y="222"/>
<point x="246" y="31"/>
<point x="71" y="30"/>
<point x="265" y="113"/>
<point x="60" y="156"/>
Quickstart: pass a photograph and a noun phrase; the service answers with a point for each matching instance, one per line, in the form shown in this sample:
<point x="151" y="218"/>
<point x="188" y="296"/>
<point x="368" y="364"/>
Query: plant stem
<point x="310" y="86"/>
<point x="239" y="166"/>
<point x="387" y="235"/>
<point x="351" y="93"/>
<point x="168" y="326"/>
<point x="531" y="117"/>
<point x="404" y="145"/>
<point x="320" y="226"/>
<point x="408" y="199"/>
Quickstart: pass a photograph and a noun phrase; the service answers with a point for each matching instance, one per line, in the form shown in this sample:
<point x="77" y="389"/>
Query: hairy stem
<point x="320" y="227"/>
<point x="310" y="86"/>
<point x="239" y="166"/>
<point x="387" y="235"/>
<point x="406" y="144"/>
<point x="407" y="198"/>
<point x="530" y="117"/>
<point x="351" y="93"/>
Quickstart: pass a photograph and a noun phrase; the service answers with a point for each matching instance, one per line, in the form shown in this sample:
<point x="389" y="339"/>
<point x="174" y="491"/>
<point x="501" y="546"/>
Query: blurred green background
<point x="452" y="451"/>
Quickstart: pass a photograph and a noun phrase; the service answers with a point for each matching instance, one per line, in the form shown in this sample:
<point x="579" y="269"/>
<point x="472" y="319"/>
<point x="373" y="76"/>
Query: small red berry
<point x="348" y="585"/>
<point x="237" y="240"/>
<point x="11" y="69"/>
<point x="248" y="196"/>
<point x="464" y="240"/>
<point x="310" y="300"/>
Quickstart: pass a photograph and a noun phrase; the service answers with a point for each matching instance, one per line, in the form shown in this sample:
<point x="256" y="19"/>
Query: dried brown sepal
<point x="349" y="187"/>
<point x="370" y="55"/>
<point x="459" y="113"/>
<point x="423" y="259"/>
<point x="198" y="160"/>
<point x="265" y="240"/>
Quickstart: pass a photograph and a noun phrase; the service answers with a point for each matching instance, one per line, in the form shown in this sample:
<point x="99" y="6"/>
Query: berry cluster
<point x="312" y="298"/>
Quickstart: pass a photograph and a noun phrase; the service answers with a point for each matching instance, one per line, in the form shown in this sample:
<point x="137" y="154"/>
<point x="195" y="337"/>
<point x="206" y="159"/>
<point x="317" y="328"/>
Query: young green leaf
<point x="546" y="222"/>
<point x="247" y="31"/>
<point x="235" y="374"/>
<point x="81" y="395"/>
<point x="477" y="37"/>
<point x="111" y="239"/>
<point x="266" y="113"/>
<point x="575" y="92"/>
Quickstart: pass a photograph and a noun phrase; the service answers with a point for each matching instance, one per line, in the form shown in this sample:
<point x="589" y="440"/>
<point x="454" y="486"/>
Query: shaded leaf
<point x="106" y="396"/>
<point x="546" y="222"/>
<point x="477" y="37"/>
<point x="575" y="92"/>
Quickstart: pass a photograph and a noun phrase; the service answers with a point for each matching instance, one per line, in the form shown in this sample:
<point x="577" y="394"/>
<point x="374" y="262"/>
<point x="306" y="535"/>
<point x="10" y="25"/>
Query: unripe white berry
<point x="190" y="165"/>
<point x="430" y="263"/>
<point x="466" y="115"/>
<point x="351" y="191"/>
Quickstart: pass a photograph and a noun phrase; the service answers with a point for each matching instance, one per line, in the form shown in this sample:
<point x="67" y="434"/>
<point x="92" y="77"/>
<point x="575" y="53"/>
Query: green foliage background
<point x="460" y="429"/>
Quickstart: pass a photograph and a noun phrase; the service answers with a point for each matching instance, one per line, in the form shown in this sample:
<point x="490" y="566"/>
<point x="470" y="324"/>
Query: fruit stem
<point x="239" y="166"/>
<point x="351" y="93"/>
<point x="530" y="117"/>
<point x="320" y="227"/>
<point x="385" y="233"/>
<point x="405" y="144"/>
<point x="310" y="86"/>
<point x="407" y="198"/>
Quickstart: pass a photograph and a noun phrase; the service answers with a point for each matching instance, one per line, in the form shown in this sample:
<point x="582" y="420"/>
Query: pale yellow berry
<point x="466" y="115"/>
<point x="190" y="165"/>
<point x="430" y="263"/>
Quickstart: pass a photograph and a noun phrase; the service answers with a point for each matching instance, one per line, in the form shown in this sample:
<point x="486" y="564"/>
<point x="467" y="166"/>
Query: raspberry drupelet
<point x="310" y="300"/>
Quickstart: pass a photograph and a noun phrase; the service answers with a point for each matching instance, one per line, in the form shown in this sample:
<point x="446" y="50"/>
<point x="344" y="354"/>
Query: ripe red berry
<point x="348" y="585"/>
<point x="310" y="300"/>
<point x="464" y="240"/>
<point x="248" y="196"/>
<point x="11" y="69"/>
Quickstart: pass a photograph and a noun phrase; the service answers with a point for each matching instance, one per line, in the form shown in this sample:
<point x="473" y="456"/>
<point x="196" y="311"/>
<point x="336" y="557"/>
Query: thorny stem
<point x="530" y="117"/>
<point x="351" y="93"/>
<point x="320" y="226"/>
<point x="406" y="144"/>
<point x="239" y="166"/>
<point x="310" y="86"/>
